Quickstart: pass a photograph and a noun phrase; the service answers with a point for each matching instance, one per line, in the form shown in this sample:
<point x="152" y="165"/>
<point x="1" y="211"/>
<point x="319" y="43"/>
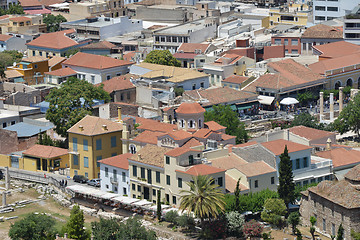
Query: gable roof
<point x="255" y="168"/>
<point x="99" y="45"/>
<point x="4" y="37"/>
<point x="214" y="126"/>
<point x="201" y="169"/>
<point x="277" y="146"/>
<point x="148" y="137"/>
<point x="310" y="133"/>
<point x="322" y="31"/>
<point x="228" y="59"/>
<point x="87" y="60"/>
<point x="154" y="125"/>
<point x="62" y="72"/>
<point x="190" y="108"/>
<point x="56" y="60"/>
<point x="92" y="125"/>
<point x="34" y="59"/>
<point x="29" y="3"/>
<point x="118" y="83"/>
<point x="54" y="40"/>
<point x="335" y="63"/>
<point x="228" y="162"/>
<point x="235" y="79"/>
<point x="20" y="19"/>
<point x="150" y="154"/>
<point x="341" y="156"/>
<point x="43" y="151"/>
<point x="180" y="151"/>
<point x="251" y="152"/>
<point x="119" y="161"/>
<point x="336" y="49"/>
<point x="191" y="47"/>
<point x="179" y="134"/>
<point x="192" y="142"/>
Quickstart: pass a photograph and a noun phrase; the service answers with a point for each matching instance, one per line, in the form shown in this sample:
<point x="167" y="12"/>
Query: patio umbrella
<point x="289" y="101"/>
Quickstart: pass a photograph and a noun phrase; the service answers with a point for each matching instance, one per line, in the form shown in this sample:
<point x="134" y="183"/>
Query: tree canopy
<point x="226" y="117"/>
<point x="75" y="226"/>
<point x="286" y="188"/>
<point x="66" y="107"/>
<point x="349" y="118"/>
<point x="162" y="57"/>
<point x="33" y="226"/>
<point x="13" y="9"/>
<point x="7" y="58"/>
<point x="274" y="208"/>
<point x="53" y="22"/>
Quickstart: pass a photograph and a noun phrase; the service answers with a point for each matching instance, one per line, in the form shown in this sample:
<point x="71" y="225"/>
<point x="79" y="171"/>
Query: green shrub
<point x="185" y="221"/>
<point x="171" y="217"/>
<point x="235" y="222"/>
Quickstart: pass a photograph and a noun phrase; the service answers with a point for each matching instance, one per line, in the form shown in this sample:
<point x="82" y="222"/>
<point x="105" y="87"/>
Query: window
<point x="272" y="180"/>
<point x="168" y="179"/>
<point x="139" y="188"/>
<point x="40" y="53"/>
<point x="106" y="172"/>
<point x="297" y="164"/>
<point x="75" y="145"/>
<point x="199" y="123"/>
<point x="113" y="141"/>
<point x="157" y="38"/>
<point x="108" y="77"/>
<point x="35" y="66"/>
<point x="75" y="172"/>
<point x="286" y="51"/>
<point x="107" y="186"/>
<point x="142" y="171"/>
<point x="278" y="41"/>
<point x="124" y="191"/>
<point x="286" y="42"/>
<point x="93" y="79"/>
<point x="180" y="182"/>
<point x="305" y="162"/>
<point x="98" y="158"/>
<point x="149" y="176"/>
<point x="113" y="154"/>
<point x="86" y="162"/>
<point x="132" y="149"/>
<point x="320" y="8"/>
<point x="194" y="86"/>
<point x="306" y="182"/>
<point x="85" y="144"/>
<point x="133" y="187"/>
<point x="98" y="144"/>
<point x="86" y="174"/>
<point x="320" y="179"/>
<point x="202" y="85"/>
<point x="220" y="181"/>
<point x="191" y="124"/>
<point x="157" y="177"/>
<point x="4" y="125"/>
<point x="324" y="225"/>
<point x="174" y="200"/>
<point x="320" y="18"/>
<point x="304" y="46"/>
<point x="123" y="176"/>
<point x="167" y="197"/>
<point x="332" y="9"/>
<point x="167" y="160"/>
<point x="154" y="192"/>
<point x="134" y="171"/>
<point x="174" y="39"/>
<point x="294" y="42"/>
<point x="76" y="160"/>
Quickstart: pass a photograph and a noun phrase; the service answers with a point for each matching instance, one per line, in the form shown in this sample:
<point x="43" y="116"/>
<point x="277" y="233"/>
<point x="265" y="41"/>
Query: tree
<point x="171" y="217"/>
<point x="105" y="229"/>
<point x="224" y="116"/>
<point x="158" y="205"/>
<point x="298" y="234"/>
<point x="14" y="9"/>
<point x="204" y="198"/>
<point x="46" y="140"/>
<point x="355" y="235"/>
<point x="305" y="119"/>
<point x="7" y="58"/>
<point x="71" y="52"/>
<point x="312" y="227"/>
<point x="162" y="57"/>
<point x="274" y="209"/>
<point x="75" y="226"/>
<point x="33" y="226"/>
<point x="294" y="220"/>
<point x="53" y="22"/>
<point x="133" y="229"/>
<point x="349" y="118"/>
<point x="16" y="56"/>
<point x="340" y="233"/>
<point x="235" y="223"/>
<point x="66" y="107"/>
<point x="237" y="196"/>
<point x="306" y="97"/>
<point x="286" y="188"/>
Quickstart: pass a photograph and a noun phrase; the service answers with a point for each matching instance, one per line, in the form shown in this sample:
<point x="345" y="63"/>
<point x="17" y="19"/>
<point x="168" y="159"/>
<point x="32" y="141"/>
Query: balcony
<point x="113" y="180"/>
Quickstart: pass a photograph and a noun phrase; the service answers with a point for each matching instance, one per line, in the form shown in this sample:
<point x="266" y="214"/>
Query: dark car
<point x="80" y="178"/>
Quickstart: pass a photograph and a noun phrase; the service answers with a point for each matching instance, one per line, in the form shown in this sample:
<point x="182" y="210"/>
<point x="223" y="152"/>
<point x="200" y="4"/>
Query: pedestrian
<point x="65" y="183"/>
<point x="61" y="182"/>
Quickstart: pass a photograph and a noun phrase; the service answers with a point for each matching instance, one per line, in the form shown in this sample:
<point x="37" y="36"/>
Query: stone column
<point x="7" y="178"/>
<point x="341" y="99"/>
<point x="4" y="199"/>
<point x="331" y="106"/>
<point x="321" y="105"/>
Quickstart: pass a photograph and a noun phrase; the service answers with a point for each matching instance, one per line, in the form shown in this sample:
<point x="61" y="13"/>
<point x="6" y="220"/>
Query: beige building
<point x="31" y="24"/>
<point x="112" y="8"/>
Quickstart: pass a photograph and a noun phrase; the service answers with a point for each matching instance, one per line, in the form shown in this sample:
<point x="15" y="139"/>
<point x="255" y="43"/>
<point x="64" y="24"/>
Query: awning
<point x="233" y="107"/>
<point x="266" y="100"/>
<point x="289" y="101"/>
<point x="244" y="107"/>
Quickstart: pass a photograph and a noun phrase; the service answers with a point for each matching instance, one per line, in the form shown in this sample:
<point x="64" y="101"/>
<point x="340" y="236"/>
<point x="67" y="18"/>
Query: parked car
<point x="80" y="178"/>
<point x="94" y="182"/>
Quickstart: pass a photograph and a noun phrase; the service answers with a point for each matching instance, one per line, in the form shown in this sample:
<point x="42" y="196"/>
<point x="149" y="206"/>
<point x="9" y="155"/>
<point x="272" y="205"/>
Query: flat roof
<point x="99" y="23"/>
<point x="184" y="28"/>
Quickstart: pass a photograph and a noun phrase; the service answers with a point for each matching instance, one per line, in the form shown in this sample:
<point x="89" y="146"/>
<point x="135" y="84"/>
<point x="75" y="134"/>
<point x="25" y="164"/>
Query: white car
<point x="94" y="182"/>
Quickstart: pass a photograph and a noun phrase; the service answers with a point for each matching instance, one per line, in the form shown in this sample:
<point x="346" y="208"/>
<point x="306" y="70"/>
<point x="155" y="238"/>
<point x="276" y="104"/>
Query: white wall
<point x="126" y="25"/>
<point x="342" y="5"/>
<point x="106" y="185"/>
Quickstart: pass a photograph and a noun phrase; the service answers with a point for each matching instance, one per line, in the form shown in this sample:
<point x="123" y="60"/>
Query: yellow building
<point x="91" y="140"/>
<point x="22" y="25"/>
<point x="297" y="15"/>
<point x="32" y="69"/>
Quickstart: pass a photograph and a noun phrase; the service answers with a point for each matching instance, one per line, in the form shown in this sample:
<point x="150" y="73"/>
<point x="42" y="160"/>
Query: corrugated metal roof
<point x="27" y="129"/>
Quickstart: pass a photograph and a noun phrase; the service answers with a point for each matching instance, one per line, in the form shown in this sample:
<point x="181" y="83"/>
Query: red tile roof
<point x="235" y="79"/>
<point x="335" y="63"/>
<point x="278" y="146"/>
<point x="228" y="162"/>
<point x="228" y="59"/>
<point x="245" y="144"/>
<point x="201" y="169"/>
<point x="336" y="49"/>
<point x="55" y="40"/>
<point x="353" y="174"/>
<point x="180" y="151"/>
<point x="256" y="168"/>
<point x="56" y="60"/>
<point x="29" y="3"/>
<point x="179" y="134"/>
<point x="226" y="137"/>
<point x="4" y="37"/>
<point x="191" y="47"/>
<point x="87" y="60"/>
<point x="310" y="133"/>
<point x="119" y="161"/>
<point x="62" y="72"/>
<point x="129" y="56"/>
<point x="190" y="108"/>
<point x="47" y="152"/>
<point x="192" y="143"/>
<point x="148" y="137"/>
<point x="38" y="11"/>
<point x="214" y="126"/>
<point x="341" y="156"/>
<point x="20" y="19"/>
<point x="153" y="125"/>
<point x="184" y="55"/>
<point x="118" y="83"/>
<point x="91" y="125"/>
<point x="202" y="133"/>
<point x="322" y="31"/>
<point x="151" y="154"/>
<point x="230" y="184"/>
<point x="99" y="45"/>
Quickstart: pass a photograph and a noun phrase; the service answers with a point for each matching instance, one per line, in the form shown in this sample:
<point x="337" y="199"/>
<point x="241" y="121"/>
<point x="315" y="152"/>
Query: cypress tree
<point x="237" y="196"/>
<point x="158" y="203"/>
<point x="286" y="188"/>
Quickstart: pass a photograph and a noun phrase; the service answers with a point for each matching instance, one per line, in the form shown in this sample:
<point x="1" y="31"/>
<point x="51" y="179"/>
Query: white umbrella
<point x="289" y="101"/>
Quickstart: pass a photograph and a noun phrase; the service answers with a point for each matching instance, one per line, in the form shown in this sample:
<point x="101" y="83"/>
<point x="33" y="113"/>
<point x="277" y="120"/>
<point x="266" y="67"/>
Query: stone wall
<point x="8" y="142"/>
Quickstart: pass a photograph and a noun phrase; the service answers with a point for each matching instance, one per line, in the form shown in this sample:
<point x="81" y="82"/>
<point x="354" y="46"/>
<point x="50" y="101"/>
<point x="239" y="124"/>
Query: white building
<point x="351" y="28"/>
<point x="330" y="9"/>
<point x="95" y="68"/>
<point x="114" y="174"/>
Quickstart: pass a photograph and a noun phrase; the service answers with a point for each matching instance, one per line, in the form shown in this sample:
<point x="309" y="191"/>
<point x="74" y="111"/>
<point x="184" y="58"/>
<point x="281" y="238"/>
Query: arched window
<point x="349" y="82"/>
<point x="170" y="118"/>
<point x="337" y="85"/>
<point x="199" y="126"/>
<point x="182" y="123"/>
<point x="191" y="124"/>
<point x="132" y="148"/>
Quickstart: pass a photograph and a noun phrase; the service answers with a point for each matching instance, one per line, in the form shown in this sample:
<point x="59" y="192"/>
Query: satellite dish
<point x="171" y="89"/>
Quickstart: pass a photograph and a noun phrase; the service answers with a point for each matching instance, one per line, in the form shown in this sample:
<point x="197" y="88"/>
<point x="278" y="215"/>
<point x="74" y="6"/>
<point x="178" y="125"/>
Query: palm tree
<point x="204" y="198"/>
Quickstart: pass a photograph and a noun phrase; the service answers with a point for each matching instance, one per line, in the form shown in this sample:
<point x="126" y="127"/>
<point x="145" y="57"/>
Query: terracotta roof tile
<point x="226" y="137"/>
<point x="310" y="133"/>
<point x="179" y="134"/>
<point x="12" y="74"/>
<point x="94" y="126"/>
<point x="341" y="156"/>
<point x="153" y="125"/>
<point x="214" y="126"/>
<point x="202" y="133"/>
<point x="29" y="3"/>
<point x="62" y="72"/>
<point x="180" y="151"/>
<point x="277" y="146"/>
<point x="4" y="37"/>
<point x="335" y="63"/>
<point x="87" y="60"/>
<point x="34" y="59"/>
<point x="151" y="154"/>
<point x="99" y="45"/>
<point x="129" y="56"/>
<point x="228" y="59"/>
<point x="50" y="2"/>
<point x="118" y="83"/>
<point x="56" y="60"/>
<point x="255" y="169"/>
<point x="119" y="161"/>
<point x="191" y="47"/>
<point x="192" y="143"/>
<point x="235" y="79"/>
<point x="20" y="19"/>
<point x="322" y="31"/>
<point x="353" y="174"/>
<point x="201" y="169"/>
<point x="245" y="144"/>
<point x="228" y="162"/>
<point x="336" y="49"/>
<point x="230" y="184"/>
<point x="184" y="55"/>
<point x="43" y="151"/>
<point x="148" y="137"/>
<point x="54" y="40"/>
<point x="190" y="108"/>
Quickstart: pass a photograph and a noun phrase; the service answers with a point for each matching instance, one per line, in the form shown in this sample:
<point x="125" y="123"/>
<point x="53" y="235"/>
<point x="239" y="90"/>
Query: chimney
<point x="104" y="127"/>
<point x="81" y="128"/>
<point x="328" y="144"/>
<point x="139" y="156"/>
<point x="286" y="135"/>
<point x="119" y="114"/>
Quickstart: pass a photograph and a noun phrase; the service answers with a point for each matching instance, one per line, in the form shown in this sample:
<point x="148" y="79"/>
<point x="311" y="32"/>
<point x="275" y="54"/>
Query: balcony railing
<point x="113" y="180"/>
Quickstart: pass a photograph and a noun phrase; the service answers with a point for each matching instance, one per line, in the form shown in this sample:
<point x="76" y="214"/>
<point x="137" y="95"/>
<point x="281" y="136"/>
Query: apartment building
<point x="88" y="9"/>
<point x="17" y="24"/>
<point x="297" y="14"/>
<point x="351" y="27"/>
<point x="330" y="9"/>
